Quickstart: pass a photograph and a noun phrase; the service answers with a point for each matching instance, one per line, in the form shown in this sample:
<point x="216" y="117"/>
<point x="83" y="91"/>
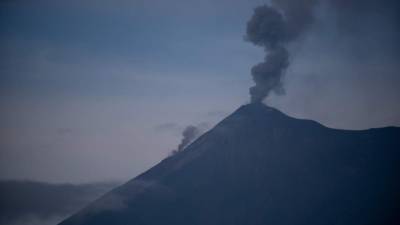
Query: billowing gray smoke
<point x="273" y="27"/>
<point x="190" y="133"/>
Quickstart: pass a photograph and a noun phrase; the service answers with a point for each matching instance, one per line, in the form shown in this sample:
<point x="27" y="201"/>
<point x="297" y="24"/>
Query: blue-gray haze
<point x="101" y="90"/>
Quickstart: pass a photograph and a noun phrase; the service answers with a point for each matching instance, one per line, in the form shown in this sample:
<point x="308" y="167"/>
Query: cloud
<point x="28" y="202"/>
<point x="64" y="131"/>
<point x="216" y="113"/>
<point x="170" y="126"/>
<point x="34" y="220"/>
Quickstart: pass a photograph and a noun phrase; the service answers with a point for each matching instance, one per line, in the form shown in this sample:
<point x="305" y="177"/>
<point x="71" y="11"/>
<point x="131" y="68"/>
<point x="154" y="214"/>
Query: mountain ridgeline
<point x="258" y="167"/>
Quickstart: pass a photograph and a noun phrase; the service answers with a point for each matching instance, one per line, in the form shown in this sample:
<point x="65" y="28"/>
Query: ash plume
<point x="273" y="27"/>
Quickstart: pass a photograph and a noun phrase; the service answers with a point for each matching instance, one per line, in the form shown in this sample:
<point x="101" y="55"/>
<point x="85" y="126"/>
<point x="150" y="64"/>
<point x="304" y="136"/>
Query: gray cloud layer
<point x="27" y="202"/>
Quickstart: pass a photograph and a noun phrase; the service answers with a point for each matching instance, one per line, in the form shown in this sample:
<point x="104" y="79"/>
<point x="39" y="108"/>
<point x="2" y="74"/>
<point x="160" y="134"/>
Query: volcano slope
<point x="258" y="167"/>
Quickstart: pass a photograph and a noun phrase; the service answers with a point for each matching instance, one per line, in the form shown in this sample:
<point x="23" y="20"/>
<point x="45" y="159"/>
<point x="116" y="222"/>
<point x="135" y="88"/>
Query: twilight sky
<point x="101" y="90"/>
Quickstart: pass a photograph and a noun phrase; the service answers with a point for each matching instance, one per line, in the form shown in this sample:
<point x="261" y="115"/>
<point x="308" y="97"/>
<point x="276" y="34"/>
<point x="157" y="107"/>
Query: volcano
<point x="259" y="166"/>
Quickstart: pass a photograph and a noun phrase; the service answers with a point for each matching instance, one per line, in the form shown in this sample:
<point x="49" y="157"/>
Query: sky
<point x="101" y="90"/>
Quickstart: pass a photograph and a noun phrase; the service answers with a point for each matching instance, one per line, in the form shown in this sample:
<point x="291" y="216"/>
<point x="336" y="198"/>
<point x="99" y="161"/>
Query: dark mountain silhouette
<point x="258" y="167"/>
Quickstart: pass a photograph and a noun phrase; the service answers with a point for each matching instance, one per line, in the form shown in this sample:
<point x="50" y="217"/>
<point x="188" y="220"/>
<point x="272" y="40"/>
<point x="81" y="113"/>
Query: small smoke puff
<point x="189" y="134"/>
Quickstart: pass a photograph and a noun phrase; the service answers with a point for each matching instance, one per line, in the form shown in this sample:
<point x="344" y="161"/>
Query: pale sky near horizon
<point x="101" y="90"/>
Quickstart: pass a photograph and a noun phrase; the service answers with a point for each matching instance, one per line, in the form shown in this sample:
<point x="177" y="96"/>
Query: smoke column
<point x="273" y="28"/>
